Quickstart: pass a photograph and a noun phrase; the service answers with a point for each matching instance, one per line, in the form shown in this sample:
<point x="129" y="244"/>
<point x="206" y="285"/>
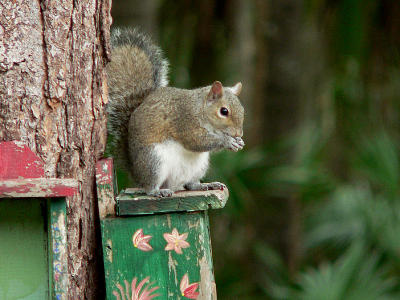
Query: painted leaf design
<point x="143" y="291"/>
<point x="141" y="241"/>
<point x="188" y="290"/>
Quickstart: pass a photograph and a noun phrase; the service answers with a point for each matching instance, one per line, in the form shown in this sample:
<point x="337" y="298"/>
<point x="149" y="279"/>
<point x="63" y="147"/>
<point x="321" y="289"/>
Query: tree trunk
<point x="52" y="97"/>
<point x="283" y="110"/>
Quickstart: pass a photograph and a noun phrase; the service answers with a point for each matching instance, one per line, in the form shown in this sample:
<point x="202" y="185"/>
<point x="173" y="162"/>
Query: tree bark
<point x="52" y="97"/>
<point x="283" y="110"/>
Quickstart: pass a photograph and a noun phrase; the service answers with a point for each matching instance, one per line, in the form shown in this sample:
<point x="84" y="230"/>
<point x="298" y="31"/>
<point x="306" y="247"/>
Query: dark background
<point x="314" y="211"/>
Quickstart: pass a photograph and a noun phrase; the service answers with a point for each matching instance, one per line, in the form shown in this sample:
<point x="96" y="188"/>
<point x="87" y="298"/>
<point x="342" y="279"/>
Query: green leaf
<point x="356" y="275"/>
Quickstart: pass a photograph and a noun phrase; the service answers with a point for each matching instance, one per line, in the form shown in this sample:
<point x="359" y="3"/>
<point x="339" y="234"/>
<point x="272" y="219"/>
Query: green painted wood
<point x="58" y="258"/>
<point x="23" y="249"/>
<point x="188" y="275"/>
<point x="159" y="248"/>
<point x="135" y="202"/>
<point x="30" y="229"/>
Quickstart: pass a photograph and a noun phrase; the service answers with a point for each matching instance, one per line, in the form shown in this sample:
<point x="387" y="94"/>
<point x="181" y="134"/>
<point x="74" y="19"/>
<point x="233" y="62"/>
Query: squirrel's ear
<point x="237" y="88"/>
<point x="216" y="91"/>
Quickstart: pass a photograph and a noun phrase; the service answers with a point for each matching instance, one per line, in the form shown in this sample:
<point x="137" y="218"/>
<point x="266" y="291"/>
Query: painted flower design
<point x="134" y="292"/>
<point x="141" y="241"/>
<point x="176" y="241"/>
<point x="189" y="290"/>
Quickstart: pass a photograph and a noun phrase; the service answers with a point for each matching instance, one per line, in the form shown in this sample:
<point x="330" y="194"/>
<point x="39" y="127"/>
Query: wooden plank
<point x="58" y="255"/>
<point x="182" y="270"/>
<point x="38" y="187"/>
<point x="106" y="187"/>
<point x="133" y="201"/>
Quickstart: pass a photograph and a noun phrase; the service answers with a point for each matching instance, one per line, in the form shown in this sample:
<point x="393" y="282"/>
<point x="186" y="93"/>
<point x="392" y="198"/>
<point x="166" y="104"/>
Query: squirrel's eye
<point x="224" y="111"/>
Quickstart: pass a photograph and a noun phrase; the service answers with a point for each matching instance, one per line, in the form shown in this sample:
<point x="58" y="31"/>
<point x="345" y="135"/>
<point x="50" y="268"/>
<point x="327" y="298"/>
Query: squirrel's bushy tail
<point x="137" y="67"/>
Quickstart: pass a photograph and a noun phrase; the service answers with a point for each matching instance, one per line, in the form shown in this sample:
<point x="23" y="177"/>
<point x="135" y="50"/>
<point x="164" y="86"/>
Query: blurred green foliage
<point x="314" y="209"/>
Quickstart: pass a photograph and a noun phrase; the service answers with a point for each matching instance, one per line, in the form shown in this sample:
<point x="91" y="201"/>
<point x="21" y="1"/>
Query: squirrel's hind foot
<point x="197" y="186"/>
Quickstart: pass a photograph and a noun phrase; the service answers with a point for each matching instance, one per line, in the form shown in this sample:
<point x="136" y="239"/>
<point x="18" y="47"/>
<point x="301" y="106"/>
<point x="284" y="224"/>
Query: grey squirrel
<point x="163" y="135"/>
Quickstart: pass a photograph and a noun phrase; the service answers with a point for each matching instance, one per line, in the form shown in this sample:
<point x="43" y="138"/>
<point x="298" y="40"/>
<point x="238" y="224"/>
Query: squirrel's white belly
<point x="179" y="166"/>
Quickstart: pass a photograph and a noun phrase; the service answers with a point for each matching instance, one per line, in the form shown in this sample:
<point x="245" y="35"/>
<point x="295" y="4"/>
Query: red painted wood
<point x="105" y="187"/>
<point x="22" y="175"/>
<point x="104" y="171"/>
<point x="38" y="187"/>
<point x="18" y="161"/>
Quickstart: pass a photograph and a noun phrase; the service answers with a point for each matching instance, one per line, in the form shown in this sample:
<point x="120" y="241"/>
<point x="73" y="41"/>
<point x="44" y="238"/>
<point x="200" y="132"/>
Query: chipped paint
<point x="105" y="187"/>
<point x="172" y="266"/>
<point x="22" y="174"/>
<point x="106" y="202"/>
<point x="133" y="201"/>
<point x="18" y="161"/>
<point x="169" y="221"/>
<point x="104" y="171"/>
<point x="59" y="247"/>
<point x="109" y="251"/>
<point x="194" y="224"/>
<point x="105" y="168"/>
<point x="38" y="187"/>
<point x="208" y="289"/>
<point x="221" y="195"/>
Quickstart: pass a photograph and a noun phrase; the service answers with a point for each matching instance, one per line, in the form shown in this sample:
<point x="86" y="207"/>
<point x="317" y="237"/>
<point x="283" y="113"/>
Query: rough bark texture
<point x="52" y="97"/>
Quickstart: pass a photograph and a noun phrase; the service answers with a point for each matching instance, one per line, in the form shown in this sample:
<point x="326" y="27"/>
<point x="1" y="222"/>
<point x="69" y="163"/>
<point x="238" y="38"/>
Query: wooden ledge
<point x="22" y="175"/>
<point x="37" y="187"/>
<point x="133" y="201"/>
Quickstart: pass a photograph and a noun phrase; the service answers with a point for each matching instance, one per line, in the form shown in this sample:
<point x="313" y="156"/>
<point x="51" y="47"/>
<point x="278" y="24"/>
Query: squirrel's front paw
<point x="235" y="144"/>
<point x="161" y="193"/>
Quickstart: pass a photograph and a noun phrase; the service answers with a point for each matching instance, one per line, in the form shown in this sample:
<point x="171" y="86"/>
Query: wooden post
<point x="157" y="246"/>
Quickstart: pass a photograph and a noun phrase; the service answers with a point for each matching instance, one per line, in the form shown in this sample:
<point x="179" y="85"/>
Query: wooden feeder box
<point x="156" y="246"/>
<point x="33" y="250"/>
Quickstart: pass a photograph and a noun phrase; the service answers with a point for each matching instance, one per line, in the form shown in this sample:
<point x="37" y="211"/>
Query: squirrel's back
<point x="137" y="68"/>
